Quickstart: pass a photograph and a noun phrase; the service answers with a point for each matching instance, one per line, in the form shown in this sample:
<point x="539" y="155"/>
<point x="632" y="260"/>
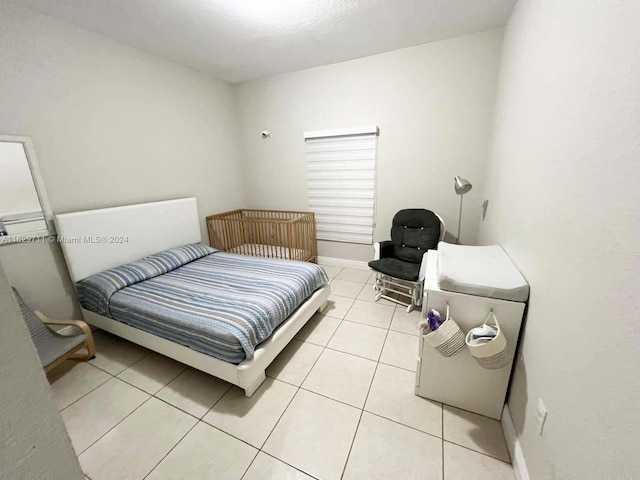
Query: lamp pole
<point x="461" y="186"/>
<point x="459" y="220"/>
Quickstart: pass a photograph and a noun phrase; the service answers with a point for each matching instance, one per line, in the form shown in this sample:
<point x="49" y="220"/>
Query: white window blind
<point x="341" y="173"/>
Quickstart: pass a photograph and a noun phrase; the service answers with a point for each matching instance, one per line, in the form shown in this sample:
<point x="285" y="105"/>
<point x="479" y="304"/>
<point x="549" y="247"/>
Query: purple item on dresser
<point x="434" y="320"/>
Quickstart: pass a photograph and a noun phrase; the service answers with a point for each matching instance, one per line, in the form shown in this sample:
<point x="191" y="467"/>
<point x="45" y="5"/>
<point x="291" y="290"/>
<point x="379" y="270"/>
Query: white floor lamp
<point x="461" y="186"/>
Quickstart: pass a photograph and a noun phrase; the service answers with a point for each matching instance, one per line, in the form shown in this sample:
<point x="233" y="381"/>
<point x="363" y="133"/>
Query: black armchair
<point x="398" y="262"/>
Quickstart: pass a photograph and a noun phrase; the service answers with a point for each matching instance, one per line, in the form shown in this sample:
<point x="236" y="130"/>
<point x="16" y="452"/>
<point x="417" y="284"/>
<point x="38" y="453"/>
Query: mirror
<point x="24" y="209"/>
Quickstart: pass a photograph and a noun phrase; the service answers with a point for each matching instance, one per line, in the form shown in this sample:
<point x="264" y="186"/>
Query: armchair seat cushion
<point x="58" y="346"/>
<point x="397" y="268"/>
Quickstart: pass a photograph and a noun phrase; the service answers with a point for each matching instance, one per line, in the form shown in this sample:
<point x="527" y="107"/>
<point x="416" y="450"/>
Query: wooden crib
<point x="265" y="233"/>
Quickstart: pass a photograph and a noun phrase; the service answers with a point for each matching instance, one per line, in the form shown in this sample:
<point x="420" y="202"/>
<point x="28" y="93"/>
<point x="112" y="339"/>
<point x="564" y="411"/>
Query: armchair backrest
<point x="40" y="333"/>
<point x="413" y="232"/>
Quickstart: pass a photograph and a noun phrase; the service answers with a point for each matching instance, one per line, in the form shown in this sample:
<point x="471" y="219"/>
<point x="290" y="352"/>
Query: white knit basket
<point x="494" y="354"/>
<point x="447" y="339"/>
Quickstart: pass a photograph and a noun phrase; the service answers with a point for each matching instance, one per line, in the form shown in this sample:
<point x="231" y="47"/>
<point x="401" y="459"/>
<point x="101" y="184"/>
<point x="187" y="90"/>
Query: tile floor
<point x="338" y="402"/>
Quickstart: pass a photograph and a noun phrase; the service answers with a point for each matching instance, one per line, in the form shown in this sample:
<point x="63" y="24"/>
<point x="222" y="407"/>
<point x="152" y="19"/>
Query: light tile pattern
<point x="95" y="414"/>
<point x="384" y="449"/>
<point x="345" y="288"/>
<point x="205" y="452"/>
<point x="73" y="380"/>
<point x="392" y="396"/>
<point x="464" y="463"/>
<point x="152" y="372"/>
<point x="251" y="419"/>
<point x="295" y="362"/>
<point x="315" y="434"/>
<point x="194" y="392"/>
<point x="118" y="356"/>
<point x="341" y="405"/>
<point x="103" y="339"/>
<point x="337" y="306"/>
<point x="400" y="350"/>
<point x="368" y="294"/>
<point x="474" y="431"/>
<point x="265" y="467"/>
<point x="137" y="444"/>
<point x="358" y="339"/>
<point x="319" y="330"/>
<point x="368" y="313"/>
<point x="405" y="322"/>
<point x="341" y="376"/>
<point x="354" y="275"/>
<point x="332" y="271"/>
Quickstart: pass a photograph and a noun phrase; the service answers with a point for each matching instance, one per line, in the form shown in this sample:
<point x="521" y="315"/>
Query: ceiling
<point x="240" y="40"/>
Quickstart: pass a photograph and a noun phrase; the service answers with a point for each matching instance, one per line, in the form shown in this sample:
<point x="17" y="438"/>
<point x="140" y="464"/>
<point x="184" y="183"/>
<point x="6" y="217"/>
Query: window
<point x="341" y="169"/>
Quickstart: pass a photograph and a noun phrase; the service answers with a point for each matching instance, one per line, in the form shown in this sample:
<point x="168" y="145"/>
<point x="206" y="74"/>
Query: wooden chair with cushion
<point x="53" y="348"/>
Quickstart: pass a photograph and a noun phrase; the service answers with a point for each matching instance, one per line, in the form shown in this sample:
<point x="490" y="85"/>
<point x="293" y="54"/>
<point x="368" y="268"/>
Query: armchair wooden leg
<point x="91" y="346"/>
<point x="91" y="350"/>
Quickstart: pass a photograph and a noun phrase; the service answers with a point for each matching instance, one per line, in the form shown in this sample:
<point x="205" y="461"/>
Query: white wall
<point x="111" y="125"/>
<point x="563" y="185"/>
<point x="33" y="440"/>
<point x="434" y="106"/>
<point x="16" y="183"/>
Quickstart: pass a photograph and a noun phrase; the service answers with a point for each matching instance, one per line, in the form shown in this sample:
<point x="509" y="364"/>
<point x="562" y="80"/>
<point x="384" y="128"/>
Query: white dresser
<point x="459" y="380"/>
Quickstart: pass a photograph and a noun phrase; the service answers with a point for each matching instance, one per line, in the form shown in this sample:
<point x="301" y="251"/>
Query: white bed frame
<point x="96" y="240"/>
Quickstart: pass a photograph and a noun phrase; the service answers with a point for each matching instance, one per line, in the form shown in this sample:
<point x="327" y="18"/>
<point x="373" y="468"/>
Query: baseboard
<point x="513" y="444"/>
<point x="343" y="262"/>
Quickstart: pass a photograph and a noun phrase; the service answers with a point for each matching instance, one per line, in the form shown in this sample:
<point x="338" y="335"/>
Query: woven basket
<point x="448" y="339"/>
<point x="494" y="354"/>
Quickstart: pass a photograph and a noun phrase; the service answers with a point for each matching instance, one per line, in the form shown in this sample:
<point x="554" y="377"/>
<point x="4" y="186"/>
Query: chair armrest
<point x="382" y="249"/>
<point x="423" y="267"/>
<point x="77" y="323"/>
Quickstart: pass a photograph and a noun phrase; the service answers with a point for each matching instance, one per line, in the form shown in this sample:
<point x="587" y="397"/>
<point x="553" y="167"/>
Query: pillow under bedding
<point x="94" y="292"/>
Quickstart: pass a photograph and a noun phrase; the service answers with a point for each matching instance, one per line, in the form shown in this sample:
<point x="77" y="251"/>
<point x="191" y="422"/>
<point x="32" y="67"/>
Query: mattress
<point x="271" y="251"/>
<point x="482" y="271"/>
<point x="220" y="304"/>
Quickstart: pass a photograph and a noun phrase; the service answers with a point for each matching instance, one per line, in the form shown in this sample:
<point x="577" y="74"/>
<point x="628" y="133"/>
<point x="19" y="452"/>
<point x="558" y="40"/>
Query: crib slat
<point x="227" y="237"/>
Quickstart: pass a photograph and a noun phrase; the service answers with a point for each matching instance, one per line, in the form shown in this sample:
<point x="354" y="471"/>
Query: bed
<point x="265" y="233"/>
<point x="141" y="275"/>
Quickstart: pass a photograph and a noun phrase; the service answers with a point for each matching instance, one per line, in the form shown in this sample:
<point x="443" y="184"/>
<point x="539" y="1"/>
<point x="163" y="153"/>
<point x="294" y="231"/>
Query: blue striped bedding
<point x="217" y="303"/>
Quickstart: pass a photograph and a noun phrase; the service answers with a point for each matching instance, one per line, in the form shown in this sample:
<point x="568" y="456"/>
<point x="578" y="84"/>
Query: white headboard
<point x="96" y="240"/>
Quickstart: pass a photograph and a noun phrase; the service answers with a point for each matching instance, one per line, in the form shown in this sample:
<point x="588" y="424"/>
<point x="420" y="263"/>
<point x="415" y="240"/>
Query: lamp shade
<point x="461" y="185"/>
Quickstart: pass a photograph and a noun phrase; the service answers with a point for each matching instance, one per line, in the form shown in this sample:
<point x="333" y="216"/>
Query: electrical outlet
<point x="541" y="415"/>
